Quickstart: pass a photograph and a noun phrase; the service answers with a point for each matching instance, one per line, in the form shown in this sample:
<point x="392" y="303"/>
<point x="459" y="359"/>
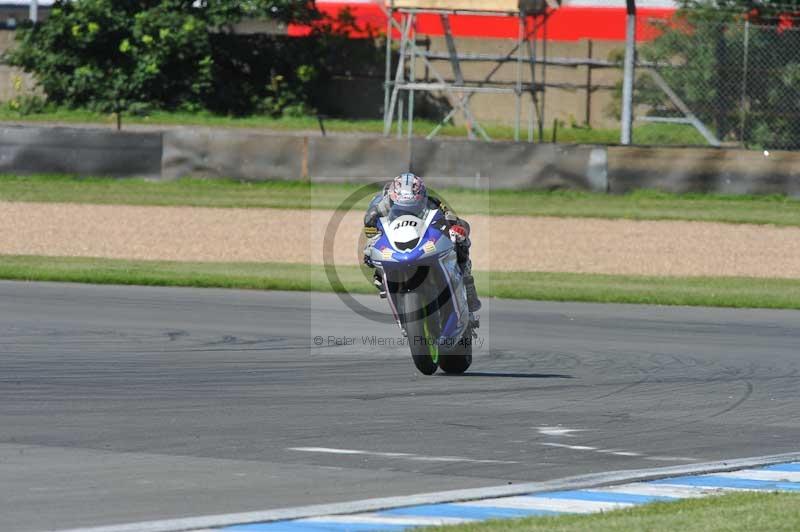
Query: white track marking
<point x="670" y="459"/>
<point x="557" y="431"/>
<point x="594" y="449"/>
<point x="752" y="474"/>
<point x="325" y="450"/>
<point x="375" y="519"/>
<point x="552" y="505"/>
<point x="404" y="456"/>
<point x="711" y="488"/>
<point x="572" y="447"/>
<point x="618" y="452"/>
<point x="659" y="490"/>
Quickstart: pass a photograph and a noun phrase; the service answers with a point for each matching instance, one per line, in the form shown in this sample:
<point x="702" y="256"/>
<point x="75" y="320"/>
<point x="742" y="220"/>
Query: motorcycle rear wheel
<point x="458" y="359"/>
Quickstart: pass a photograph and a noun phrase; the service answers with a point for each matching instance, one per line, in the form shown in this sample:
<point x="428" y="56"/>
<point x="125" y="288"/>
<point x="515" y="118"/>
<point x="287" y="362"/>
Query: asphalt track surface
<point x="124" y="404"/>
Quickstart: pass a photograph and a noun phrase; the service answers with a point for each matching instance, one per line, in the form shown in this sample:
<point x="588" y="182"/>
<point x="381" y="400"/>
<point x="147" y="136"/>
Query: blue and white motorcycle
<point x="425" y="289"/>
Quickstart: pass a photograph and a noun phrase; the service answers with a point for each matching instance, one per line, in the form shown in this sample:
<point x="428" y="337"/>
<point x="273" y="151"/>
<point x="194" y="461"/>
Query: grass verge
<point x="743" y="512"/>
<point x="674" y="134"/>
<point x="643" y="205"/>
<point x="709" y="292"/>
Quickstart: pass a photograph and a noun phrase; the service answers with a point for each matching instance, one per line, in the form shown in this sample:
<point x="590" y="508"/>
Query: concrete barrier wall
<point x="719" y="171"/>
<point x="223" y="153"/>
<point x="356" y="159"/>
<point x="40" y="150"/>
<point x="511" y="165"/>
<point x="337" y="159"/>
<point x="232" y="154"/>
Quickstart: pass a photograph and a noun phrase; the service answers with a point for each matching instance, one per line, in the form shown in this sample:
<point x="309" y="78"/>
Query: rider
<point x="408" y="193"/>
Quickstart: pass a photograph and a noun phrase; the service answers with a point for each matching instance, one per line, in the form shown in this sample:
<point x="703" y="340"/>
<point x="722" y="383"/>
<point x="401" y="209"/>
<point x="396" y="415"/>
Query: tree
<point x="757" y="11"/>
<point x="117" y="55"/>
<point x="736" y="64"/>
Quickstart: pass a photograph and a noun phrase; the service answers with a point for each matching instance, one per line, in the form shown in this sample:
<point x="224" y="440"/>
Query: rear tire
<point x="457" y="360"/>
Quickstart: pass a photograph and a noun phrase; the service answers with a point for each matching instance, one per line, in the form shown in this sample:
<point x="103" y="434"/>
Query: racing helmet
<point x="408" y="194"/>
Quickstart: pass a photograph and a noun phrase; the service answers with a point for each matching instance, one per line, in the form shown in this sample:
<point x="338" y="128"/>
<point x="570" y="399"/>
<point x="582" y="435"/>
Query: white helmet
<point x="409" y="194"/>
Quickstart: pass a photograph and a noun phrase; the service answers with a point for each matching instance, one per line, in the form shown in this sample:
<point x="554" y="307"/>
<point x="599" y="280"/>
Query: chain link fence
<point x="737" y="83"/>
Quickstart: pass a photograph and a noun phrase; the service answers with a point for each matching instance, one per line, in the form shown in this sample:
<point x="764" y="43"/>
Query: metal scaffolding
<point x="402" y="81"/>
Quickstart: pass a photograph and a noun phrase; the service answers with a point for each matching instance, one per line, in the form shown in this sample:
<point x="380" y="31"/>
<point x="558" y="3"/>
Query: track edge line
<point x="593" y="480"/>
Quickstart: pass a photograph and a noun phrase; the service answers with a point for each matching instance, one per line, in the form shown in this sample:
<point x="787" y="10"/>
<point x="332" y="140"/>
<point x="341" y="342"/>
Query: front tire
<point x="424" y="349"/>
<point x="422" y="330"/>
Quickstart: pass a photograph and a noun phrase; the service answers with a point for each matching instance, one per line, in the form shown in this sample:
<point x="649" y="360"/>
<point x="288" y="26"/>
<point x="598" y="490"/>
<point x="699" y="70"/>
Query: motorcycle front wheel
<point x="423" y="332"/>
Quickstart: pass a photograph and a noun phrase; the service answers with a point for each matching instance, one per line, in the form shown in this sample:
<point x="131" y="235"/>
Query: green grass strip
<point x="690" y="291"/>
<point x="743" y="512"/>
<point x="657" y="134"/>
<point x="644" y="205"/>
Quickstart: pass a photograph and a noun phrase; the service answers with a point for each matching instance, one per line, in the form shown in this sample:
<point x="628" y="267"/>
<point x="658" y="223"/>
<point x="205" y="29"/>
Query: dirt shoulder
<point x="501" y="243"/>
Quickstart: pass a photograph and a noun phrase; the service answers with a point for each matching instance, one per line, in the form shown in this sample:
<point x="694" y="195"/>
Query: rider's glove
<point x="458" y="234"/>
<point x="371" y="218"/>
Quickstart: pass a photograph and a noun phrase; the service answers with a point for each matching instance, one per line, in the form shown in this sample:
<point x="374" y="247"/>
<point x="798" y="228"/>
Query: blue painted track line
<point x="730" y="482"/>
<point x="465" y="511"/>
<point x="783" y="467"/>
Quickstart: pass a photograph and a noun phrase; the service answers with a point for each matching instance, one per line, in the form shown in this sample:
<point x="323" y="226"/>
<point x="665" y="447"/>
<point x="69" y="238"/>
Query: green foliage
<point x="286" y="76"/>
<point x="747" y="92"/>
<point x="26" y="105"/>
<point x="262" y="74"/>
<point x="109" y="55"/>
<point x="757" y="11"/>
<point x="24" y="102"/>
<point x="283" y="100"/>
<point x="114" y="55"/>
<point x="219" y="13"/>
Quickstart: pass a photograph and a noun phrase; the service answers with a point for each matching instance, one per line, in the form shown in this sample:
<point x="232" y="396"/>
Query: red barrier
<point x="566" y="24"/>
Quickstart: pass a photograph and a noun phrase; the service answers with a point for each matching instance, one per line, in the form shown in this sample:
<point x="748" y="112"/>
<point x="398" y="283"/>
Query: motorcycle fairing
<point x="432" y="247"/>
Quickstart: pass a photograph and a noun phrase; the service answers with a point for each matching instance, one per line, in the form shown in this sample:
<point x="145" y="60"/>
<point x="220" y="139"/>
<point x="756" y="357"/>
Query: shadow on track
<point x="511" y="375"/>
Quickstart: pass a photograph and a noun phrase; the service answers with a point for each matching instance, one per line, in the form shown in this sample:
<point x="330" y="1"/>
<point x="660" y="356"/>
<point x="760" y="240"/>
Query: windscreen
<point x="398" y="211"/>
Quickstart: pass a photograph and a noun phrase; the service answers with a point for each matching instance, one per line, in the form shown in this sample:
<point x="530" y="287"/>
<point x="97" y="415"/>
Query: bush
<point x="108" y="55"/>
<point x="115" y="56"/>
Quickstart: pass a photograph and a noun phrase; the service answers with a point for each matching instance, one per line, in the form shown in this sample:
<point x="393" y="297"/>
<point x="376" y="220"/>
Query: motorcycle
<point x="425" y="290"/>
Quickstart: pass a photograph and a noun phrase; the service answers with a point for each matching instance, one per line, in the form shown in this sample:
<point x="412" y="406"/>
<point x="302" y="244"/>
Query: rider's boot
<point x="473" y="302"/>
<point x="474" y="324"/>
